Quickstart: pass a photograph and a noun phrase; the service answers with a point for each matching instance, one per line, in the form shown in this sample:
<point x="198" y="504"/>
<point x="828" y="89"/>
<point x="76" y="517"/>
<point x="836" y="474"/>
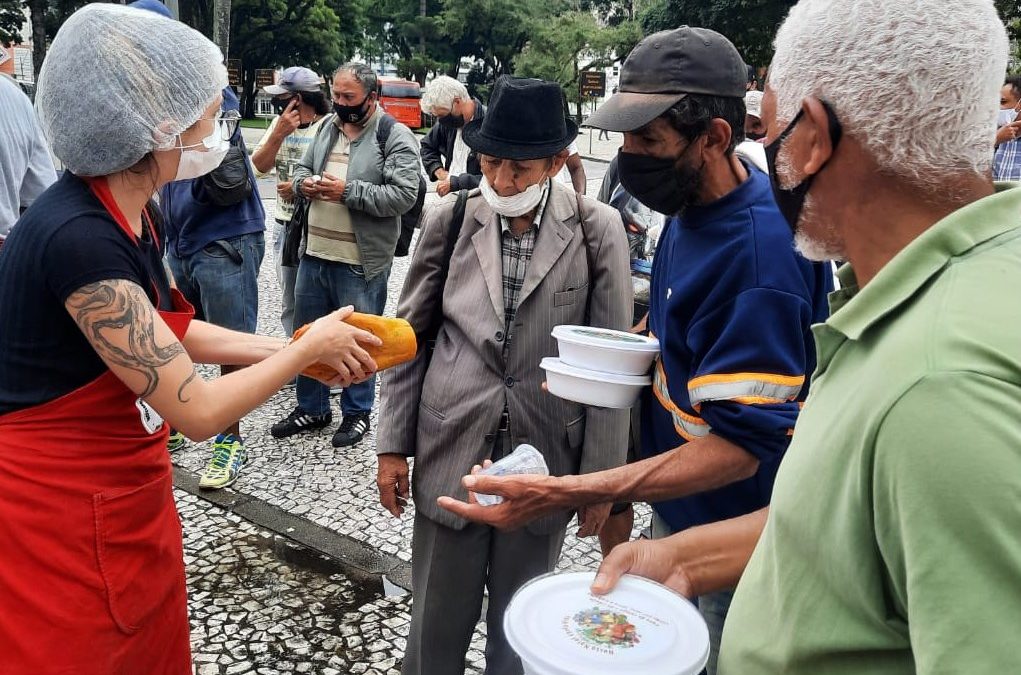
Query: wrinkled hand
<point x="525" y="498"/>
<point x="289" y="120"/>
<point x="443" y="188"/>
<point x="330" y="188"/>
<point x="592" y="518"/>
<point x="1008" y="132"/>
<point x="617" y="530"/>
<point x="392" y="481"/>
<point x="652" y="559"/>
<point x="285" y="191"/>
<point x="310" y="188"/>
<point x="340" y="346"/>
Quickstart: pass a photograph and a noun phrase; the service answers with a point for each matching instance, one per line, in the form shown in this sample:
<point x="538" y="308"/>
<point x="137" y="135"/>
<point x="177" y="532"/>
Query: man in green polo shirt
<point x="893" y="543"/>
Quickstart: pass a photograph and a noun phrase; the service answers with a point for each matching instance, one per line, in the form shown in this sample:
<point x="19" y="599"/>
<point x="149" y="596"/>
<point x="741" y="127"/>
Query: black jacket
<point x="438" y="152"/>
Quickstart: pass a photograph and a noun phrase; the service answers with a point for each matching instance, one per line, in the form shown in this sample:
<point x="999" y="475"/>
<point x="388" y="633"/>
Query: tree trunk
<point x="221" y="25"/>
<point x="247" y="93"/>
<point x="421" y="29"/>
<point x="37" y="14"/>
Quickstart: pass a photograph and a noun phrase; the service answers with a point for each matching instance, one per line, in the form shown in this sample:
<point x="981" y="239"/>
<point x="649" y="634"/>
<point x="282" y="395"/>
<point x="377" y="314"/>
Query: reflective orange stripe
<point x="785" y="380"/>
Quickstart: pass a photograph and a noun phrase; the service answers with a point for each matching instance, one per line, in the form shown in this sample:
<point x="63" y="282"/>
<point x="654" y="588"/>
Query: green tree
<point x="319" y="34"/>
<point x="750" y="24"/>
<point x="11" y="19"/>
<point x="563" y="46"/>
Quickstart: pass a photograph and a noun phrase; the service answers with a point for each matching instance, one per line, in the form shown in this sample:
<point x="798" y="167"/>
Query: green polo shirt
<point x="893" y="545"/>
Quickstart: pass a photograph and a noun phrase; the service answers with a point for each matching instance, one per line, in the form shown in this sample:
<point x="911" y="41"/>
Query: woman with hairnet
<point x="97" y="352"/>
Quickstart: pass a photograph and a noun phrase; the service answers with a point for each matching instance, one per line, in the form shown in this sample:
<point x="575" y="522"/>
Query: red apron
<point x="91" y="561"/>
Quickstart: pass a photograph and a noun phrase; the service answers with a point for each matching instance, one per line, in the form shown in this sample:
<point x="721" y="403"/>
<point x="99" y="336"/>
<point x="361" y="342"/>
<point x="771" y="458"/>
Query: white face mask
<point x="515" y="205"/>
<point x="1006" y="117"/>
<point x="195" y="163"/>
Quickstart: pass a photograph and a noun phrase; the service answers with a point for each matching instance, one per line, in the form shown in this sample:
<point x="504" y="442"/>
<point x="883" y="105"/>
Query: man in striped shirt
<point x="1007" y="160"/>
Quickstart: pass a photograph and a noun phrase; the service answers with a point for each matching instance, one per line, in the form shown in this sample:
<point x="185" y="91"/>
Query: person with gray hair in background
<point x="25" y="165"/>
<point x="446" y="157"/>
<point x="98" y="352"/>
<point x="361" y="174"/>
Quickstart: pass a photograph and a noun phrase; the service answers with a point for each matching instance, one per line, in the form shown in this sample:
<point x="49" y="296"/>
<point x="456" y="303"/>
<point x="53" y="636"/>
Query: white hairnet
<point x="118" y="83"/>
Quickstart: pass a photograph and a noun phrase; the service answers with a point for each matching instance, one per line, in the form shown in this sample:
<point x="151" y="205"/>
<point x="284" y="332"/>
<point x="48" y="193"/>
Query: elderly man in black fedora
<point x="528" y="254"/>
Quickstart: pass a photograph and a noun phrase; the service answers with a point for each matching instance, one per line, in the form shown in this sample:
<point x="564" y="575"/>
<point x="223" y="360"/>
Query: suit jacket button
<point x="499" y="336"/>
<point x="509" y="381"/>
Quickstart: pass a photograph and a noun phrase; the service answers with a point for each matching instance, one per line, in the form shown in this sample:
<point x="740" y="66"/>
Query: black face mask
<point x="666" y="185"/>
<point x="791" y="201"/>
<point x="352" y="114"/>
<point x="452" y="121"/>
<point x="280" y="105"/>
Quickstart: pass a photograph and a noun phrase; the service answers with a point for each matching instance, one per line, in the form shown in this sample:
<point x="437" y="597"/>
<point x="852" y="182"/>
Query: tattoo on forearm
<point x="187" y="381"/>
<point x="106" y="308"/>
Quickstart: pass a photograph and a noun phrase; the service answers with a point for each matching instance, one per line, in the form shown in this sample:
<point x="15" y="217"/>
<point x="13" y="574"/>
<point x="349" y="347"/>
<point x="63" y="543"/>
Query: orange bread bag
<point x="399" y="343"/>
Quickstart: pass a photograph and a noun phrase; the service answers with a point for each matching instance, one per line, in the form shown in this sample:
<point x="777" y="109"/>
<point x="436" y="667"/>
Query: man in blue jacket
<point x="215" y="253"/>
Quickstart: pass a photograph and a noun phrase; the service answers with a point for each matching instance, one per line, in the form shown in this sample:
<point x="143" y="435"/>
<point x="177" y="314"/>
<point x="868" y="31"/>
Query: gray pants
<point x="712" y="606"/>
<point x="449" y="569"/>
<point x="286" y="277"/>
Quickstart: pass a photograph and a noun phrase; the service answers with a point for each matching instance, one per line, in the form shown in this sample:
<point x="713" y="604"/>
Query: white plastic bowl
<point x="558" y="627"/>
<point x="591" y="387"/>
<point x="605" y="350"/>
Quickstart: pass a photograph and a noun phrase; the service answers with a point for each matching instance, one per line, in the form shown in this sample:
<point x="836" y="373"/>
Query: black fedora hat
<point x="525" y="120"/>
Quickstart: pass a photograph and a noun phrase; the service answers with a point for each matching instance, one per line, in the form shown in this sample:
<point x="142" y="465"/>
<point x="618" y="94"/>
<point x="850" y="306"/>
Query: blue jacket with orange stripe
<point x="732" y="305"/>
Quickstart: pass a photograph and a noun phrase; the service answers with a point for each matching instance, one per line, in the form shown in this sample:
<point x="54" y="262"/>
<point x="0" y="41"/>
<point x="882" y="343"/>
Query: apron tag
<point x="151" y="419"/>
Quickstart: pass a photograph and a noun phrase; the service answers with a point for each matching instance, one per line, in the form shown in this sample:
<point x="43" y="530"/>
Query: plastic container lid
<point x="618" y="340"/>
<point x="555" y="365"/>
<point x="558" y="627"/>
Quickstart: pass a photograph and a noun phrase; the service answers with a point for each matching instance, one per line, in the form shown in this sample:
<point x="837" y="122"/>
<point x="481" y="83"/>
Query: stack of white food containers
<point x="599" y="366"/>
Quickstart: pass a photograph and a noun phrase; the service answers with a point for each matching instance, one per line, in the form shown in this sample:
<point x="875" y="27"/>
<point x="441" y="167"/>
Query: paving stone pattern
<point x="334" y="488"/>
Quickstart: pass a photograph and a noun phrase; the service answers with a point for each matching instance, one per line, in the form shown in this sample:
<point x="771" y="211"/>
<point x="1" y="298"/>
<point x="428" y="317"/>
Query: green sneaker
<point x="177" y="441"/>
<point x="225" y="466"/>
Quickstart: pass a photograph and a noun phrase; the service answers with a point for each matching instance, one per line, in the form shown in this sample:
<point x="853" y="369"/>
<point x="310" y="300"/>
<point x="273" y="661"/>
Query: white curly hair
<point x="915" y="81"/>
<point x="441" y="92"/>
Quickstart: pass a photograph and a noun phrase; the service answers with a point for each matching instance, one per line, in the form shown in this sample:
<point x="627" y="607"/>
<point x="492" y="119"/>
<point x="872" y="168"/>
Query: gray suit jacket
<point x="446" y="413"/>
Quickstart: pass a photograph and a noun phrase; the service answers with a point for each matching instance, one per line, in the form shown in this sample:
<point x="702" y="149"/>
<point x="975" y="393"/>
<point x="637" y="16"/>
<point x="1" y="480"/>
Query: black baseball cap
<point x="664" y="68"/>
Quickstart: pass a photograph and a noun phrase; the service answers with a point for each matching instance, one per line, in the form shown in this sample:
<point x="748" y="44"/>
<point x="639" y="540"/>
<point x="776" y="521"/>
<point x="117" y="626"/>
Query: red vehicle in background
<point x="401" y="99"/>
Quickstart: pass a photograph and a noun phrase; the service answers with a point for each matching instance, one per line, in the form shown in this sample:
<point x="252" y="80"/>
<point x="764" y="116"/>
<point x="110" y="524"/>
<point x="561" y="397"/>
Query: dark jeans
<point x="222" y="280"/>
<point x="322" y="287"/>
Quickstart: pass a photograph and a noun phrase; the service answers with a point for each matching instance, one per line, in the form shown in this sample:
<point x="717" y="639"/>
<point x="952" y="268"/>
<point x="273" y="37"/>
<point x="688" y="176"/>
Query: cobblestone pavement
<point x="262" y="605"/>
<point x="305" y="476"/>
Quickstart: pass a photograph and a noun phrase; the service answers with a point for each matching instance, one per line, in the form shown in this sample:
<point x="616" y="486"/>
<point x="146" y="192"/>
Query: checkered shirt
<point x="517" y="252"/>
<point x="1007" y="161"/>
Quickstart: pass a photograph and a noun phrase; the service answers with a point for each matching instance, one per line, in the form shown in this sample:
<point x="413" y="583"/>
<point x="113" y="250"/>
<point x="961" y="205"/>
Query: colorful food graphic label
<point x="605" y="628"/>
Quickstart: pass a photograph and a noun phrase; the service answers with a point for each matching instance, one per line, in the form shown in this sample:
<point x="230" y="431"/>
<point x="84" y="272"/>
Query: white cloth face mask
<point x="515" y="205"/>
<point x="1006" y="117"/>
<point x="195" y="163"/>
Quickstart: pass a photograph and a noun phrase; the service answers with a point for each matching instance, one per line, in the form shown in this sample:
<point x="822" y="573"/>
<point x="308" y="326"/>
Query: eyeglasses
<point x="228" y="123"/>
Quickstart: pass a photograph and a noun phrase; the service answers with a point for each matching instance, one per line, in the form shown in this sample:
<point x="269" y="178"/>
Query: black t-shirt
<point x="66" y="240"/>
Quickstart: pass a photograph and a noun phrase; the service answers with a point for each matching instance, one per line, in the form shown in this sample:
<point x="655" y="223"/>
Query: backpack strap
<point x="588" y="250"/>
<point x="428" y="337"/>
<point x="383" y="129"/>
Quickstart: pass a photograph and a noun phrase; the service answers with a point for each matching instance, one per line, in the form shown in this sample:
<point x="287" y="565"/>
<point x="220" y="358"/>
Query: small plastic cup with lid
<point x="525" y="459"/>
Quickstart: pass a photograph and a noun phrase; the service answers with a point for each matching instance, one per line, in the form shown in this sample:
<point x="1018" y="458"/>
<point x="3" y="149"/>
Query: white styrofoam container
<point x="605" y="350"/>
<point x="558" y="627"/>
<point x="592" y="387"/>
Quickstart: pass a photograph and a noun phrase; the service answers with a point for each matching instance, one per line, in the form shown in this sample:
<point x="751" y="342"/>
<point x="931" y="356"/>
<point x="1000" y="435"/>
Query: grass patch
<point x="257" y="123"/>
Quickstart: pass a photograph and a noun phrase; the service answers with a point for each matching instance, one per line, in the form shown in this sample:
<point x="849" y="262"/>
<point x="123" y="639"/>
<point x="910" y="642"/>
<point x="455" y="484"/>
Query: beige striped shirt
<point x="331" y="235"/>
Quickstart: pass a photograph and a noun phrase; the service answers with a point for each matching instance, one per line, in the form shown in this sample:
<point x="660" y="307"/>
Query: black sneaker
<point x="352" y="429"/>
<point x="299" y="421"/>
